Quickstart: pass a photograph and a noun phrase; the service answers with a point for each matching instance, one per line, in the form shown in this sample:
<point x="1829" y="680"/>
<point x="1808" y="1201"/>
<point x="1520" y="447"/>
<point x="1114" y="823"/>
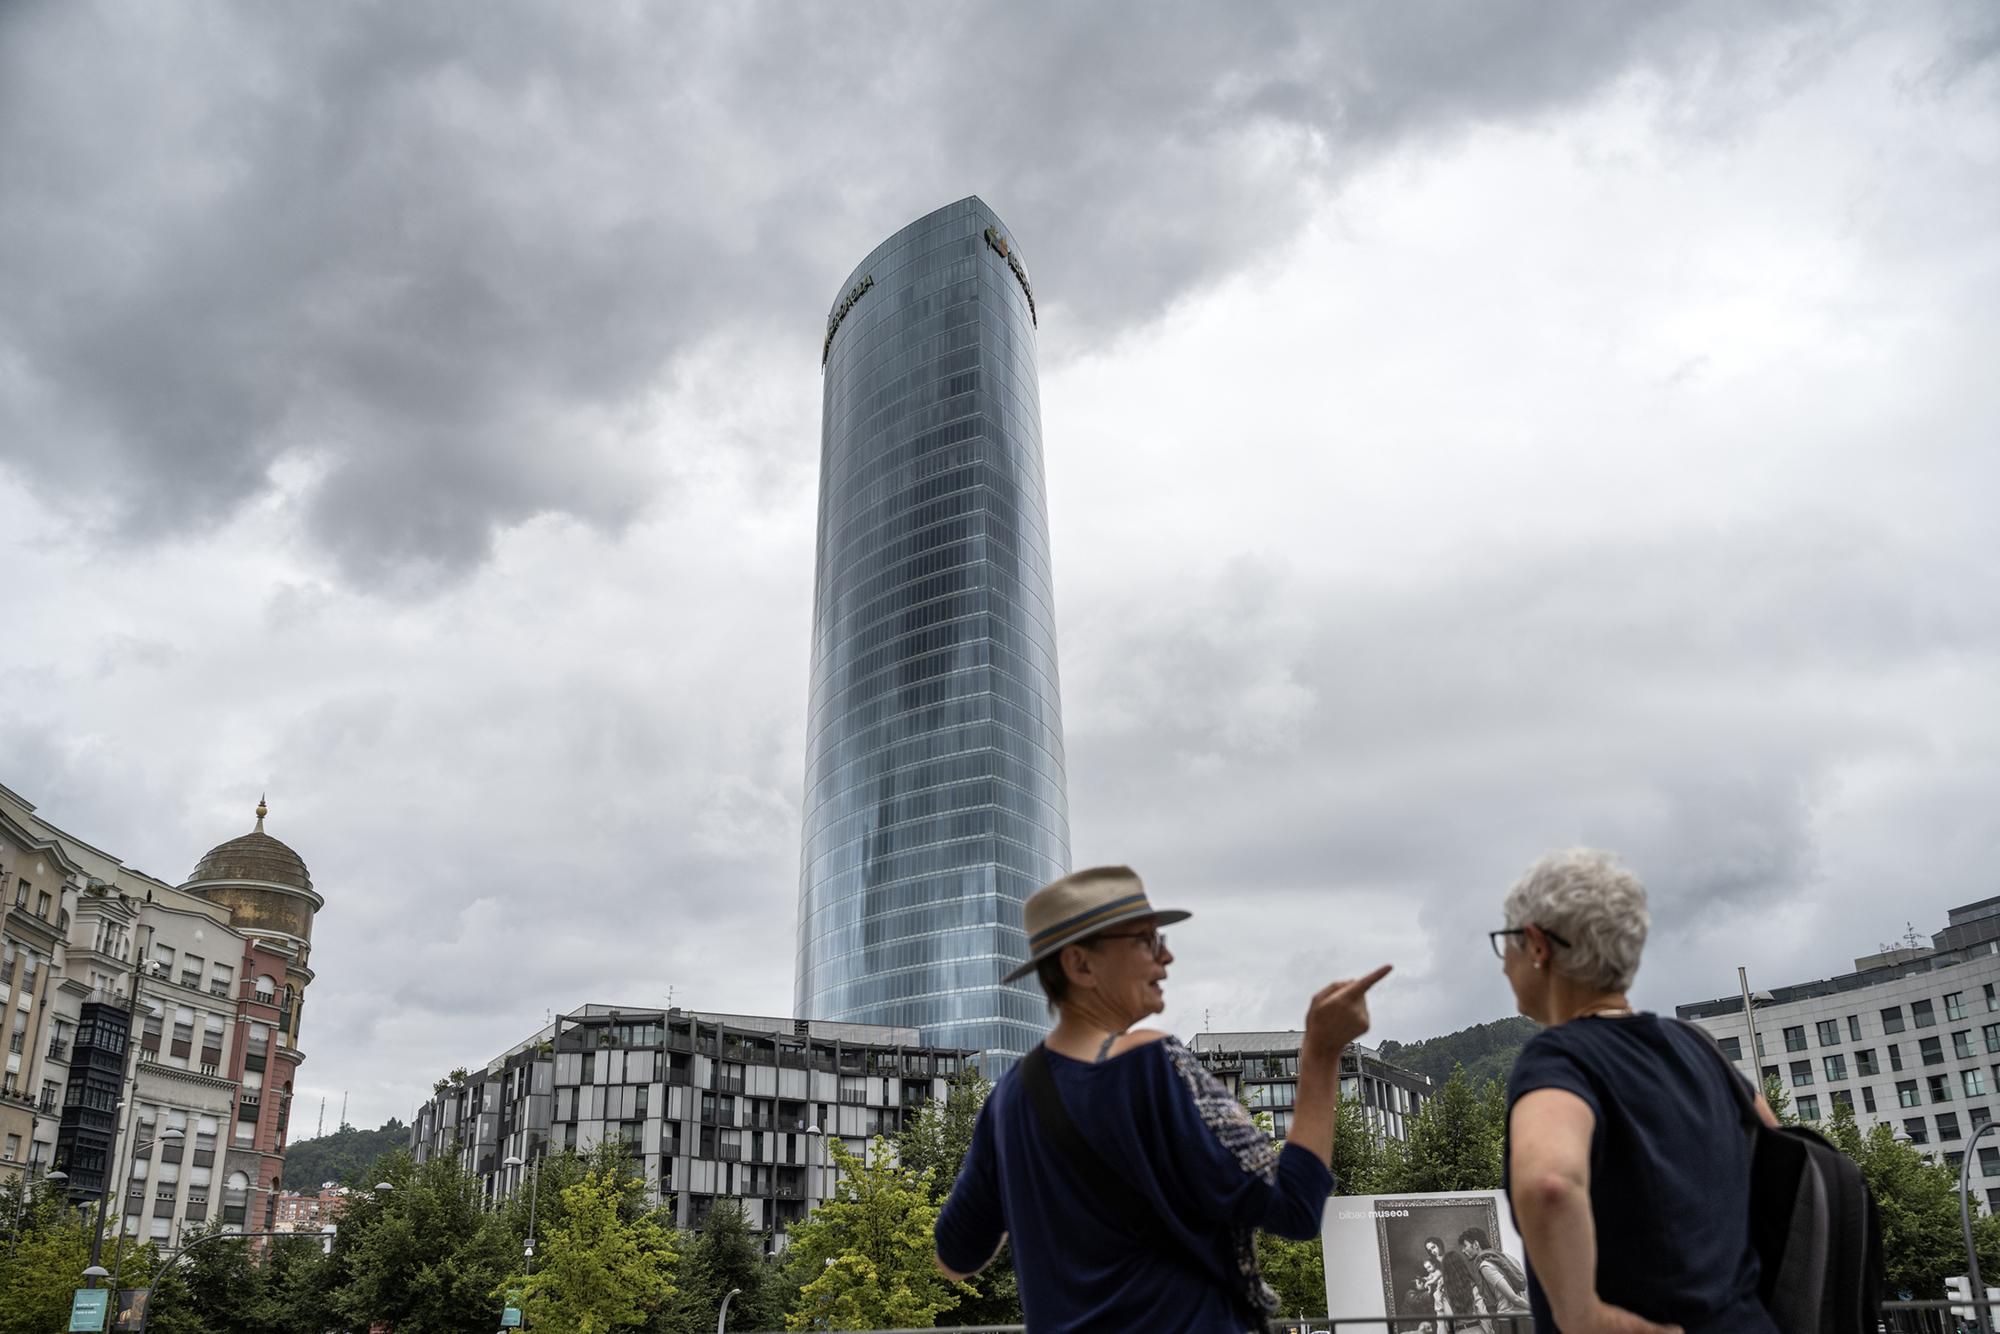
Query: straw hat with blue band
<point x="1082" y="904"/>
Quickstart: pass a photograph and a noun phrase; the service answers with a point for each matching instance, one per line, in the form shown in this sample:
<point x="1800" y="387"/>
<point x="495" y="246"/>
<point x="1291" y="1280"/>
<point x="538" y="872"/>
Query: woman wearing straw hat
<point x="1131" y="1182"/>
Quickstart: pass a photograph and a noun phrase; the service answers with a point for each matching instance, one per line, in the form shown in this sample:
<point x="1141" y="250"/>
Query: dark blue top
<point x="1669" y="1170"/>
<point x="1165" y="1126"/>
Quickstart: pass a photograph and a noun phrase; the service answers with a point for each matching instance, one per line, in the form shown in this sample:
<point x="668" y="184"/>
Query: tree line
<point x="428" y="1255"/>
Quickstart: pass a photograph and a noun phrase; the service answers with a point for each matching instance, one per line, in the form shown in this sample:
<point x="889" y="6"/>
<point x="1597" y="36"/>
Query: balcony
<point x="16" y="1041"/>
<point x="729" y="1153"/>
<point x="58" y="1049"/>
<point x="729" y="1084"/>
<point x="192" y="981"/>
<point x="219" y="987"/>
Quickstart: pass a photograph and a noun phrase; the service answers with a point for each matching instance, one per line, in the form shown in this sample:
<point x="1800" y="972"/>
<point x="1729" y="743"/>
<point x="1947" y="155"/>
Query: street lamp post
<point x="169" y="1135"/>
<point x="534" y="1194"/>
<point x="817" y="1138"/>
<point x="723" y="1314"/>
<point x="21" y="1200"/>
<point x="1965" y="1217"/>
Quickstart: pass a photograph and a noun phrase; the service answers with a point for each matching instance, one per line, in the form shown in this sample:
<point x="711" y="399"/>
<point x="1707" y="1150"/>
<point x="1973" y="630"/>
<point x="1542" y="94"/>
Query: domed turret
<point x="263" y="883"/>
<point x="254" y="856"/>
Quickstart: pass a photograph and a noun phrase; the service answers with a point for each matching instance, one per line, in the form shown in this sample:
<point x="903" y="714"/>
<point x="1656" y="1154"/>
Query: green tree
<point x="348" y="1155"/>
<point x="937" y="1139"/>
<point x="1487" y="1051"/>
<point x="41" y="1268"/>
<point x="557" y="1172"/>
<point x="1296" y="1271"/>
<point x="1364" y="1162"/>
<point x="1780" y="1100"/>
<point x="213" y="1286"/>
<point x="425" y="1255"/>
<point x="605" y="1266"/>
<point x="1453" y="1143"/>
<point x="725" y="1254"/>
<point x="865" y="1259"/>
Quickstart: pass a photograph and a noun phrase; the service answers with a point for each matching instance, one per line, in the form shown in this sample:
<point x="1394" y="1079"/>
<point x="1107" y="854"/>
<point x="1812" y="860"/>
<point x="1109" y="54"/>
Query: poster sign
<point x="87" y="1309"/>
<point x="1418" y="1257"/>
<point x="510" y="1318"/>
<point x="131" y="1312"/>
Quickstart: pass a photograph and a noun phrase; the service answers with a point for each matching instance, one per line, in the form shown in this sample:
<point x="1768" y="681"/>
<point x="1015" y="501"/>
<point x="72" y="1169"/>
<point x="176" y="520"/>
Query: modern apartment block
<point x="1263" y="1070"/>
<point x="1910" y="1038"/>
<point x="160" y="1008"/>
<point x="709" y="1106"/>
<point x="935" y="796"/>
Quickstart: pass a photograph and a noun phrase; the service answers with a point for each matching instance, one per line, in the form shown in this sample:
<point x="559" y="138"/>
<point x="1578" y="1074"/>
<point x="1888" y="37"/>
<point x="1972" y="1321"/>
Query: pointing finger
<point x="1359" y="987"/>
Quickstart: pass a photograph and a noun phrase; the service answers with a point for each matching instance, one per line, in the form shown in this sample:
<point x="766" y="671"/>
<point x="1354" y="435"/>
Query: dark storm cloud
<point x="448" y="254"/>
<point x="1691" y="700"/>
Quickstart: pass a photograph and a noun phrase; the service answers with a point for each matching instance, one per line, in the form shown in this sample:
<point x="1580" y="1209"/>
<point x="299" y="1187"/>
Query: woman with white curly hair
<point x="1626" y="1162"/>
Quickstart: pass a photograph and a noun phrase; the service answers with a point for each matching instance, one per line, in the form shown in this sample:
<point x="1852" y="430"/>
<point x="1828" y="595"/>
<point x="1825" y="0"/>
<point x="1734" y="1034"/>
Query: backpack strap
<point x="1739" y="1083"/>
<point x="1132" y="1211"/>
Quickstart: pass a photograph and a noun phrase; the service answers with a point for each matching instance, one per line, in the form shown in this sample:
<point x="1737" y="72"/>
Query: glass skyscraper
<point x="935" y="797"/>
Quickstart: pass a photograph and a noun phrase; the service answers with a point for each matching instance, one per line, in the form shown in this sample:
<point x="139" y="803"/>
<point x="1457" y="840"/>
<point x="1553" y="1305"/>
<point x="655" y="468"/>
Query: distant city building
<point x="300" y="1212"/>
<point x="205" y="979"/>
<point x="1263" y="1070"/>
<point x="935" y="797"/>
<point x="1910" y="1038"/>
<point x="709" y="1106"/>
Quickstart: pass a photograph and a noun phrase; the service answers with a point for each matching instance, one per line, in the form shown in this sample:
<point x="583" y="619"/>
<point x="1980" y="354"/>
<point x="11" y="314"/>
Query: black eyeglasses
<point x="1155" y="941"/>
<point x="1499" y="939"/>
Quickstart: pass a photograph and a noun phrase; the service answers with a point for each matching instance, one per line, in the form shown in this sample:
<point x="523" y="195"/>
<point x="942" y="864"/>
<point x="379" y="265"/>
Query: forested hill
<point x="1486" y="1051"/>
<point x="344" y="1156"/>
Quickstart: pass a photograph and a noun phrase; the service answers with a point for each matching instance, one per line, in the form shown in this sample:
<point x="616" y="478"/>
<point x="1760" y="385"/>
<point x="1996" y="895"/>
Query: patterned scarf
<point x="1254" y="1153"/>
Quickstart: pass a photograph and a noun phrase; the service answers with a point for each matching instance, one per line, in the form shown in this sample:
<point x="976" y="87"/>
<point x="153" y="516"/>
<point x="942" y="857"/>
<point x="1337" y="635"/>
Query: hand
<point x="1339" y="1013"/>
<point x="1604" y="1318"/>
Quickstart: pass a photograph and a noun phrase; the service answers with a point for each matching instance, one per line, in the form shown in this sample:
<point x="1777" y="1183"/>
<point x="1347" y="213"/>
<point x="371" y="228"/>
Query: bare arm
<point x="1549" y="1168"/>
<point x="957" y="1277"/>
<point x="1764" y="1112"/>
<point x="1338" y="1015"/>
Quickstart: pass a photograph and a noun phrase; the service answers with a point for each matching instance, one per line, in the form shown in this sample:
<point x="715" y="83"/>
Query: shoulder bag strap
<point x="1739" y="1083"/>
<point x="1133" y="1211"/>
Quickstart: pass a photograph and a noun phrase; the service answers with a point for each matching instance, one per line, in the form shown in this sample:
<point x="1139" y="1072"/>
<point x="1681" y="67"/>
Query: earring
<point x="1538" y="964"/>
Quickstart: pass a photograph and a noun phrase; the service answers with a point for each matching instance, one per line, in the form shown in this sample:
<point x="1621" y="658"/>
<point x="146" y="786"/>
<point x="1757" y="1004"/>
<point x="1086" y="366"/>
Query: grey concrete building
<point x="1910" y="1038"/>
<point x="710" y="1106"/>
<point x="1263" y="1070"/>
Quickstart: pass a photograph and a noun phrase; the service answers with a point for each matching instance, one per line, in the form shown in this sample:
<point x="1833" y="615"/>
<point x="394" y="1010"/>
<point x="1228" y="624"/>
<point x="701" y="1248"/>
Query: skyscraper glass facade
<point x="935" y="798"/>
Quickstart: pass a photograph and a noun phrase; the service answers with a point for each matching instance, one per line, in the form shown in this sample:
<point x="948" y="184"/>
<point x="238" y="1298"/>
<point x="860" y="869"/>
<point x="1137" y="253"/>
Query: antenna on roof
<point x="1910" y="936"/>
<point x="343" y="1109"/>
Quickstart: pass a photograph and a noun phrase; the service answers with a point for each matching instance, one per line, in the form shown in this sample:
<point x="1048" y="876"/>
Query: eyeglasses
<point x="1499" y="939"/>
<point x="1154" y="941"/>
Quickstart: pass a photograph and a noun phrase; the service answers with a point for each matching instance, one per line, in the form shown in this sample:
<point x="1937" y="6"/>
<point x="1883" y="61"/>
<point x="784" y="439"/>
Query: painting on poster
<point x="1416" y="1257"/>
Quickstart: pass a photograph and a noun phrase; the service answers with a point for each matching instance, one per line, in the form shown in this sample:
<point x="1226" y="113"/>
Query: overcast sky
<point x="1470" y="430"/>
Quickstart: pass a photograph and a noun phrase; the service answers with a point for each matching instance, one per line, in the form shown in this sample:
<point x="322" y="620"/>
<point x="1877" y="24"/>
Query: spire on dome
<point x="262" y="811"/>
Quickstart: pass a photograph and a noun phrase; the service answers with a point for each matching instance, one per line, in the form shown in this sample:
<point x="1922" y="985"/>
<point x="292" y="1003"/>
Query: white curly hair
<point x="1592" y="901"/>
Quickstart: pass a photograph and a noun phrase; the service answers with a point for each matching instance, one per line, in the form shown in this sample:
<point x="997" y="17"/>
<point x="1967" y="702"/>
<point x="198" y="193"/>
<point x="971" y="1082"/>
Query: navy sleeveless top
<point x="1669" y="1170"/>
<point x="1166" y="1126"/>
